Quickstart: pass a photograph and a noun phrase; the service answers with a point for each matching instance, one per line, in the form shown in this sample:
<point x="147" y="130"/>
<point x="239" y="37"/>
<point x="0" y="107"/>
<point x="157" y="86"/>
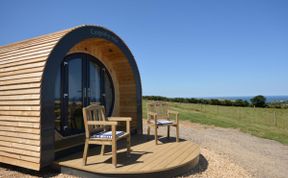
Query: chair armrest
<point x="102" y="123"/>
<point x="120" y="119"/>
<point x="172" y="112"/>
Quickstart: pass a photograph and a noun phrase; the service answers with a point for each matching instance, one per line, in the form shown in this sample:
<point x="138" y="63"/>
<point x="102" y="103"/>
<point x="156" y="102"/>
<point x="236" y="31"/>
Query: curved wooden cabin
<point x="45" y="82"/>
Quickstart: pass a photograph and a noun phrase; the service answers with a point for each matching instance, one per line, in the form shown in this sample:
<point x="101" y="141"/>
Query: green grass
<point x="262" y="122"/>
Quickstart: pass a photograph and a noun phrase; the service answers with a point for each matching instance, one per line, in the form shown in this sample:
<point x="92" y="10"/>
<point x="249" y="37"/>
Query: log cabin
<point x="46" y="81"/>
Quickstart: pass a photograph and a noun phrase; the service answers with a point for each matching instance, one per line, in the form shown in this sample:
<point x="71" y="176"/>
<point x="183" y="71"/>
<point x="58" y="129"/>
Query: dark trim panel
<point x="49" y="75"/>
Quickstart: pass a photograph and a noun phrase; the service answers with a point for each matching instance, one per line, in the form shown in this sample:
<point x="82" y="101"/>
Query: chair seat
<point x="164" y="122"/>
<point x="107" y="134"/>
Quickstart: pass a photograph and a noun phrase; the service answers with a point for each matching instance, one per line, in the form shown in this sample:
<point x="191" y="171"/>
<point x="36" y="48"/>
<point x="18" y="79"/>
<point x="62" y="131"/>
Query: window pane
<point x="75" y="118"/>
<point x="94" y="91"/>
<point x="109" y="94"/>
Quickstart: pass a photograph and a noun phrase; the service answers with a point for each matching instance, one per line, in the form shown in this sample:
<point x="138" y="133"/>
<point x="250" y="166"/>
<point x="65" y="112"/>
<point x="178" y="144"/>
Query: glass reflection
<point x="75" y="118"/>
<point x="95" y="89"/>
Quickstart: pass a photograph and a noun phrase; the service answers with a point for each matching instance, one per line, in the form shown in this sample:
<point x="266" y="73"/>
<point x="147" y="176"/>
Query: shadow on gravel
<point x="200" y="167"/>
<point x="47" y="172"/>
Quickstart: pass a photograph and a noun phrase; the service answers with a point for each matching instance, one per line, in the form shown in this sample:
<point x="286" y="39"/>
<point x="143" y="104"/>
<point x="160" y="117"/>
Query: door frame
<point x="64" y="85"/>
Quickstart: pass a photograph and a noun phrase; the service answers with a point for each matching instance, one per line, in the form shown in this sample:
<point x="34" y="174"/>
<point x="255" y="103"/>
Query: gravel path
<point x="225" y="153"/>
<point x="7" y="171"/>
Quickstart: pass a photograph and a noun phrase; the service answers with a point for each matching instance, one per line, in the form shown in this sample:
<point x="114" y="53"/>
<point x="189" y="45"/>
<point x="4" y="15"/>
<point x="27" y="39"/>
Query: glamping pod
<point x="46" y="81"/>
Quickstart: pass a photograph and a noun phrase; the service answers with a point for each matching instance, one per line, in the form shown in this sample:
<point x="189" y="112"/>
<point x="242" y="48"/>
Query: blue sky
<point x="183" y="48"/>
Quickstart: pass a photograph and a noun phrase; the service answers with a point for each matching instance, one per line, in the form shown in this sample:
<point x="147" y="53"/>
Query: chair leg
<point x="156" y="135"/>
<point x="86" y="147"/>
<point x="102" y="149"/>
<point x="177" y="133"/>
<point x="168" y="131"/>
<point x="114" y="154"/>
<point x="148" y="130"/>
<point x="128" y="145"/>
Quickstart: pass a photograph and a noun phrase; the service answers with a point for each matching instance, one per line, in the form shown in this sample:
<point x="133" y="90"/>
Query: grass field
<point x="262" y="122"/>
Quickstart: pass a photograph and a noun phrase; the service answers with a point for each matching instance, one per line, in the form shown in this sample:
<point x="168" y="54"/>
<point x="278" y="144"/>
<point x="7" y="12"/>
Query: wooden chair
<point x="158" y="114"/>
<point x="102" y="131"/>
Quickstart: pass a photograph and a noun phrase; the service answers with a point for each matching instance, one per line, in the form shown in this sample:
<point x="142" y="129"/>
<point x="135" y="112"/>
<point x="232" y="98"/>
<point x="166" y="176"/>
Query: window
<point x="81" y="80"/>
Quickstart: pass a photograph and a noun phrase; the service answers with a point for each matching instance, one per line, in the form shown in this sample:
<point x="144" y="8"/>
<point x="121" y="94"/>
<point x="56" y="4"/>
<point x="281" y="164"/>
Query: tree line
<point x="257" y="101"/>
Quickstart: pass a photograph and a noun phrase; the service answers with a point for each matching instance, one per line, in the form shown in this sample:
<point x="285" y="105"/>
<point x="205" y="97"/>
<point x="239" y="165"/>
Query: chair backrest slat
<point x="160" y="108"/>
<point x="93" y="112"/>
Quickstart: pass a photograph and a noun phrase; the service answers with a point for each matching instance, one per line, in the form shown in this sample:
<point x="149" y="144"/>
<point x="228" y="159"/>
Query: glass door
<point x="83" y="80"/>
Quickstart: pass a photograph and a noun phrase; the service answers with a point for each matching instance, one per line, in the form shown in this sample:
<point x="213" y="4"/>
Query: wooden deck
<point x="168" y="159"/>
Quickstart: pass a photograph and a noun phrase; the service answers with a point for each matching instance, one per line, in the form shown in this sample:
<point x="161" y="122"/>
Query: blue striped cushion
<point x="107" y="134"/>
<point x="163" y="122"/>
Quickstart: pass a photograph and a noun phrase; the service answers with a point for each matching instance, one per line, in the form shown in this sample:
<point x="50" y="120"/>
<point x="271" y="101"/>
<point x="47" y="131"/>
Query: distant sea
<point x="269" y="99"/>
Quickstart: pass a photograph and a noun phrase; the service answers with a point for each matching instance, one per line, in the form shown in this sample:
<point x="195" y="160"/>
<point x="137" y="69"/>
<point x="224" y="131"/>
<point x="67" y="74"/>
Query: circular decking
<point x="167" y="159"/>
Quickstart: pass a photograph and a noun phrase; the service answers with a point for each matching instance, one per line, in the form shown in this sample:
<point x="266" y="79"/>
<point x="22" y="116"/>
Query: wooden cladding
<point x="21" y="69"/>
